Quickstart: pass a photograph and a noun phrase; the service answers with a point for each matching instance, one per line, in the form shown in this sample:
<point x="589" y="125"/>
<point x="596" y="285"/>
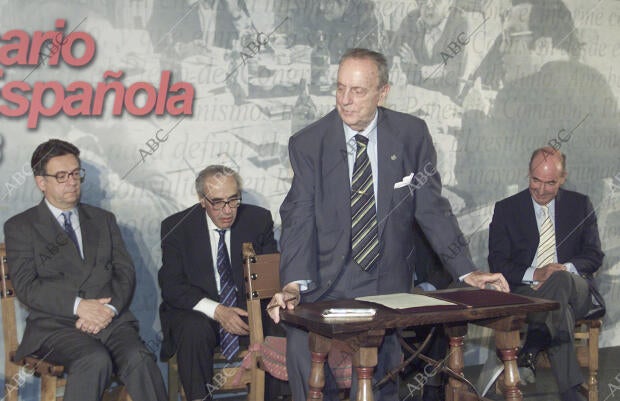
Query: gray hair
<point x="218" y="171"/>
<point x="378" y="58"/>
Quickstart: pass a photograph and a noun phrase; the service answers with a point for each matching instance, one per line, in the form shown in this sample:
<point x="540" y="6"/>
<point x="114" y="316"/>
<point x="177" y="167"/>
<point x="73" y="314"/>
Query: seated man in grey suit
<point x="70" y="267"/>
<point x="202" y="281"/>
<point x="362" y="175"/>
<point x="545" y="241"/>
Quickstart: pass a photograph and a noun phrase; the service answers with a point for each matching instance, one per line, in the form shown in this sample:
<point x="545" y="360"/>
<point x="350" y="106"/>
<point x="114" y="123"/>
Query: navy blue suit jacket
<point x="513" y="235"/>
<point x="187" y="272"/>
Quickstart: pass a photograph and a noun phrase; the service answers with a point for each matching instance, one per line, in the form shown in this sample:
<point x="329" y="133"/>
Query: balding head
<point x="547" y="174"/>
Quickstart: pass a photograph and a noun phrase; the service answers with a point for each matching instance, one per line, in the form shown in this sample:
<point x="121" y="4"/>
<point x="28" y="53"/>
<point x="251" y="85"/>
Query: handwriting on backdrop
<point x="79" y="98"/>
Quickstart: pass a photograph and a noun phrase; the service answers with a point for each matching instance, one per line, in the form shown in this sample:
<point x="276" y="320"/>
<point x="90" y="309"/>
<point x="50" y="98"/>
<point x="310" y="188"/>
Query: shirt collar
<point x="369" y="132"/>
<point x="58" y="212"/>
<point x="538" y="210"/>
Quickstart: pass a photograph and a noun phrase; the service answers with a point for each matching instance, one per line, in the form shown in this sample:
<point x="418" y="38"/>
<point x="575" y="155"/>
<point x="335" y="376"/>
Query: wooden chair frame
<point x="262" y="281"/>
<point x="52" y="376"/>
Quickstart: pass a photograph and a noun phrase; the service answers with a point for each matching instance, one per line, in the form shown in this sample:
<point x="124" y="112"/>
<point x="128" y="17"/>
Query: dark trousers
<point x="90" y="362"/>
<point x="573" y="294"/>
<point x="196" y="337"/>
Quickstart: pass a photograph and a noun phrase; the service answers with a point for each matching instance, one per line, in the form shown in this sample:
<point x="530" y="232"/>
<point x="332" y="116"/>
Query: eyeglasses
<point x="232" y="203"/>
<point x="63" y="176"/>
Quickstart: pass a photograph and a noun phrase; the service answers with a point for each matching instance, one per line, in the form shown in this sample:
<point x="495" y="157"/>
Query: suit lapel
<point x="561" y="224"/>
<point x="235" y="256"/>
<point x="55" y="237"/>
<point x="529" y="223"/>
<point x="390" y="171"/>
<point x="335" y="172"/>
<point x="90" y="237"/>
<point x="199" y="236"/>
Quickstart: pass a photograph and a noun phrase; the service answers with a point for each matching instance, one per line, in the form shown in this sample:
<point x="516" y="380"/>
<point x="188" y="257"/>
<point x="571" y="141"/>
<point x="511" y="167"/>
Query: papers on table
<point x="406" y="301"/>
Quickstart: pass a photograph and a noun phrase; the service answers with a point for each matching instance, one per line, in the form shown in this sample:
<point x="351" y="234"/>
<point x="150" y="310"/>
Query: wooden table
<point x="506" y="319"/>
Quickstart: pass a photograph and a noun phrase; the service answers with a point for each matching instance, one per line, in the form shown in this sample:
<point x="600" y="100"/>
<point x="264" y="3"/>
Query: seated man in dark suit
<point x="202" y="282"/>
<point x="545" y="242"/>
<point x="70" y="267"/>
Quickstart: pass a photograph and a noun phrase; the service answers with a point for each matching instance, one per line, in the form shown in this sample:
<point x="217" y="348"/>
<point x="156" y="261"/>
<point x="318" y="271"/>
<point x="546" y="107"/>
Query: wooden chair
<point x="52" y="376"/>
<point x="262" y="281"/>
<point x="586" y="347"/>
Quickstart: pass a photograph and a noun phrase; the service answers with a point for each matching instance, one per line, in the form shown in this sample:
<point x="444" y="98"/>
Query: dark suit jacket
<point x="316" y="213"/>
<point x="514" y="237"/>
<point x="187" y="274"/>
<point x="48" y="272"/>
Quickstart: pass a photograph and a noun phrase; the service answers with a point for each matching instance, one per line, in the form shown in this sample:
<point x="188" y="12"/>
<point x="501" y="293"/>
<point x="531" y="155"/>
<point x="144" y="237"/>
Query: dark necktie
<point x="364" y="233"/>
<point x="229" y="343"/>
<point x="70" y="231"/>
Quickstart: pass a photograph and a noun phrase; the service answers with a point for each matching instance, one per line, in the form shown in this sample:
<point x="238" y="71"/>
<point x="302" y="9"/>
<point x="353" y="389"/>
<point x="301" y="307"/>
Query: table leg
<point x="319" y="348"/>
<point x="455" y="362"/>
<point x="507" y="343"/>
<point x="364" y="361"/>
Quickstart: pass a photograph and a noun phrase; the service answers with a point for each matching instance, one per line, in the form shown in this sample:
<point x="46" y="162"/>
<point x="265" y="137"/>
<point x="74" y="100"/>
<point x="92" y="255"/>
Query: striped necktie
<point x="229" y="343"/>
<point x="546" y="247"/>
<point x="69" y="230"/>
<point x="364" y="233"/>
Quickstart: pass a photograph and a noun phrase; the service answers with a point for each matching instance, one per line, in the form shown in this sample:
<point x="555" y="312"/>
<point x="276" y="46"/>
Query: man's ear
<point x="40" y="181"/>
<point x="383" y="92"/>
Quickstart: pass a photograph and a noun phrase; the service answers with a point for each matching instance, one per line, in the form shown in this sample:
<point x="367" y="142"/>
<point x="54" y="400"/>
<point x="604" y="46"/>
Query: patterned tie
<point x="228" y="296"/>
<point x="70" y="231"/>
<point x="364" y="234"/>
<point x="546" y="247"/>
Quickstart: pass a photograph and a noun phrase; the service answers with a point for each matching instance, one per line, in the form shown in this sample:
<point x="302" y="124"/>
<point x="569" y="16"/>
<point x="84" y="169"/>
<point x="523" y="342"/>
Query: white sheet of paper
<point x="404" y="300"/>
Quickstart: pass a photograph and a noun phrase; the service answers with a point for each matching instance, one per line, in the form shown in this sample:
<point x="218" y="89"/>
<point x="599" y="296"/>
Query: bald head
<point x="547" y="174"/>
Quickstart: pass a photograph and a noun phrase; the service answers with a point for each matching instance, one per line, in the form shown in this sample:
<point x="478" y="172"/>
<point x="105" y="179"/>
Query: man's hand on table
<point x="288" y="298"/>
<point x="483" y="280"/>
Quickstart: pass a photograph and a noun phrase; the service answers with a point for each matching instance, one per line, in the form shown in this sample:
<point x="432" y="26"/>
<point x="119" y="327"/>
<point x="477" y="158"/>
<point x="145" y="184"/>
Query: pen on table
<point x="285" y="301"/>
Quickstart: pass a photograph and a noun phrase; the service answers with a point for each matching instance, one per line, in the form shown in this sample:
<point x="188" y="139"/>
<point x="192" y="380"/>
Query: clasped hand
<point x="94" y="315"/>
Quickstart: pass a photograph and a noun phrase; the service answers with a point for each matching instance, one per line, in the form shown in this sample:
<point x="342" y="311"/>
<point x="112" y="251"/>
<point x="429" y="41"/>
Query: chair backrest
<point x="262" y="280"/>
<point x="9" y="327"/>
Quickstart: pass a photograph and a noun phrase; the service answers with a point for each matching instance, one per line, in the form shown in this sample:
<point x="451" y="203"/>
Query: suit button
<point x="81" y="294"/>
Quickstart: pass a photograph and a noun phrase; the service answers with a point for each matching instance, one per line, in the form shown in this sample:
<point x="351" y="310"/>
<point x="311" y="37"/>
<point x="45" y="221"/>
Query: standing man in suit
<point x="71" y="268"/>
<point x="359" y="161"/>
<point x="202" y="282"/>
<point x="545" y="242"/>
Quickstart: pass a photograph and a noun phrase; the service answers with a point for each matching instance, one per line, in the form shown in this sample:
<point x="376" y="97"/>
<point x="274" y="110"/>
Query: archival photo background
<point x="192" y="83"/>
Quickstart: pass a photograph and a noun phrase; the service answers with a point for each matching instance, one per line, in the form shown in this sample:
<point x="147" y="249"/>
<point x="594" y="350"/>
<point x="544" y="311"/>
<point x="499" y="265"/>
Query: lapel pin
<point x="393" y="157"/>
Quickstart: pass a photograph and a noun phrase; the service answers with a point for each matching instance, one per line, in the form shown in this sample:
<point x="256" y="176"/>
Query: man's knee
<point x="135" y="358"/>
<point x="196" y="332"/>
<point x="98" y="362"/>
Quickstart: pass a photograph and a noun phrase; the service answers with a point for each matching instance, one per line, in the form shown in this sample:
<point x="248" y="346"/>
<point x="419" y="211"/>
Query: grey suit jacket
<point x="316" y="213"/>
<point x="48" y="272"/>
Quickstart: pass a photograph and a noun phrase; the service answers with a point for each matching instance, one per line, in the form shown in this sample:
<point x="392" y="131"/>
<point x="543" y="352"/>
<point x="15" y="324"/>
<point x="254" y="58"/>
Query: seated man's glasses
<point x="63" y="176"/>
<point x="233" y="203"/>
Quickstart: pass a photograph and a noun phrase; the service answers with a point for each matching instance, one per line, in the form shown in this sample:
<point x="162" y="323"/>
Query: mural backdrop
<point x="152" y="91"/>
